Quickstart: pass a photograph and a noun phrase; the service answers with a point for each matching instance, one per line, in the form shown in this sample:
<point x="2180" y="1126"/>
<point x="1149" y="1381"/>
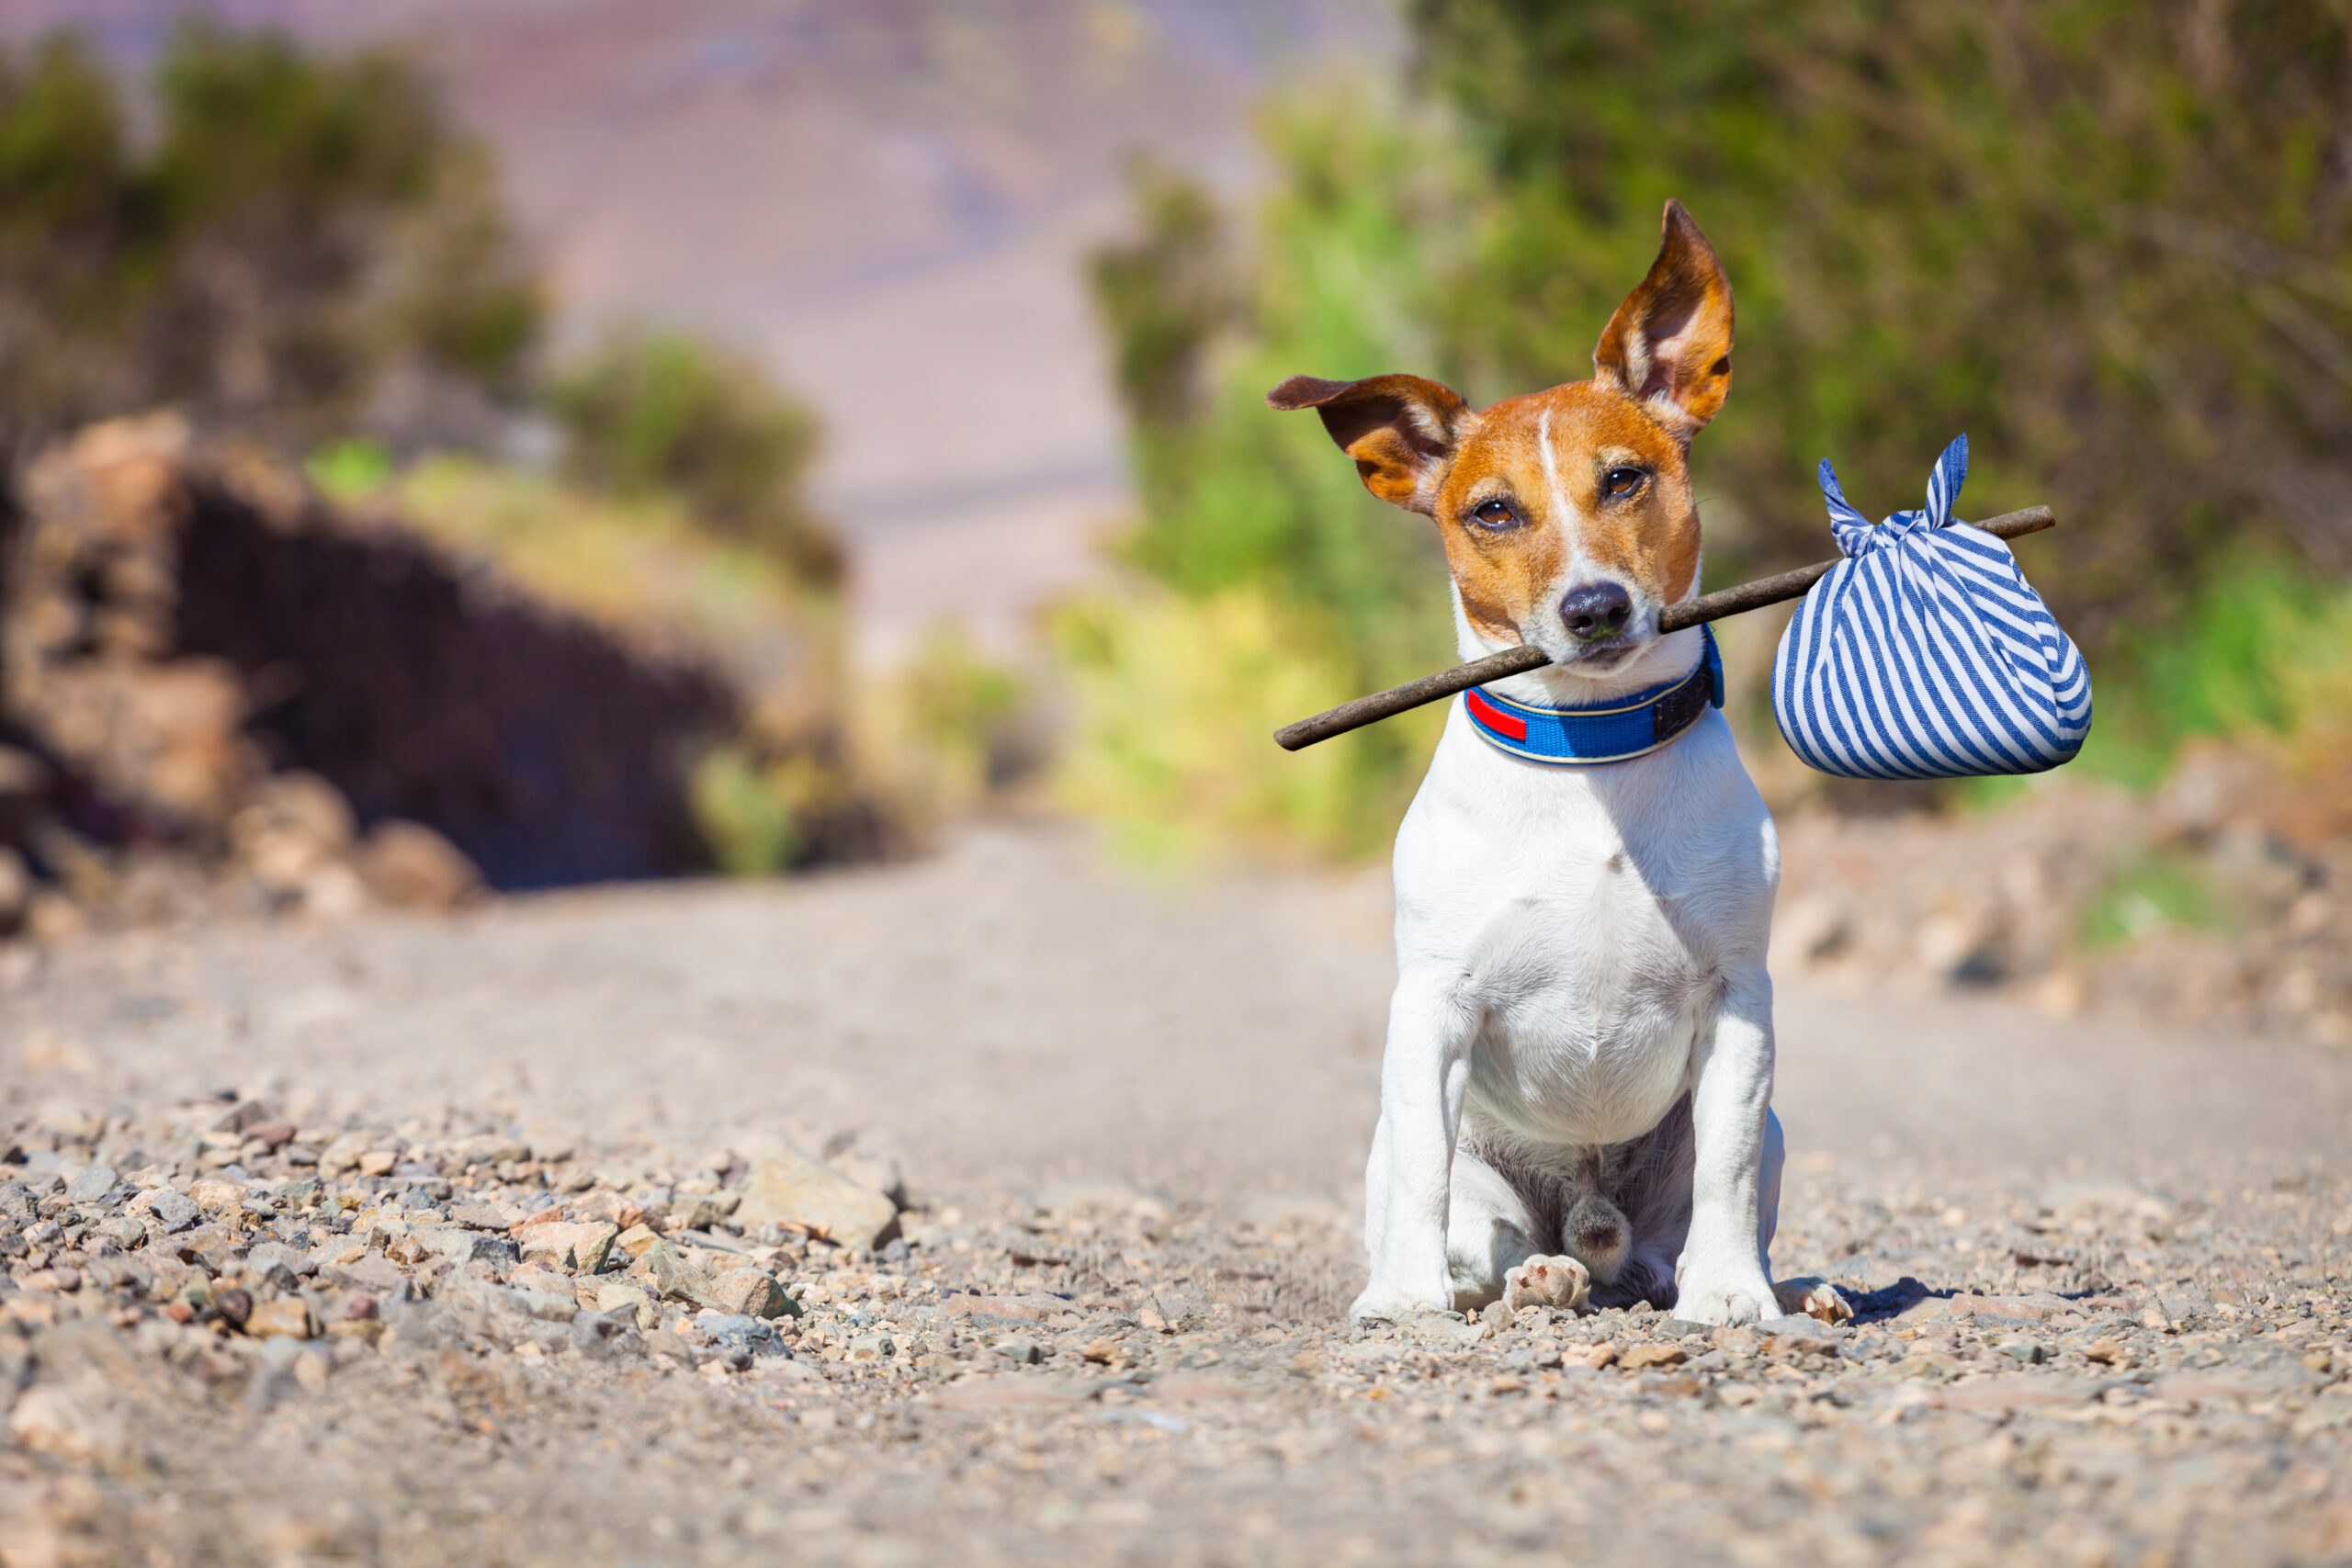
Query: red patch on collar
<point x="1508" y="726"/>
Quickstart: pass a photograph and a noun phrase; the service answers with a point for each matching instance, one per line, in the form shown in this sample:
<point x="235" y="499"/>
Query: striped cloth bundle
<point x="1924" y="654"/>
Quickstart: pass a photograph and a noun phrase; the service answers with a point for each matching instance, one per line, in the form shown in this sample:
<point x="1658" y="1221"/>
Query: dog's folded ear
<point x="1401" y="430"/>
<point x="1668" y="347"/>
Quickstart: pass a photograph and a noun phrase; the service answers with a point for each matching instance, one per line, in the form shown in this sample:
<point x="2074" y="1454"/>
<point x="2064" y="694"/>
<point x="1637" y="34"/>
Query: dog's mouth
<point x="1602" y="656"/>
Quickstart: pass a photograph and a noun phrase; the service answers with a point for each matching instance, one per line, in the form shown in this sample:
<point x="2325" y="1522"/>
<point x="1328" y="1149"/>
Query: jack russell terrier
<point x="1575" y="1097"/>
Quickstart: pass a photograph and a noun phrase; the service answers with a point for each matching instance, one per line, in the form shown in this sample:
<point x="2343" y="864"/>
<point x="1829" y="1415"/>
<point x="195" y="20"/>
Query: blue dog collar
<point x="1586" y="737"/>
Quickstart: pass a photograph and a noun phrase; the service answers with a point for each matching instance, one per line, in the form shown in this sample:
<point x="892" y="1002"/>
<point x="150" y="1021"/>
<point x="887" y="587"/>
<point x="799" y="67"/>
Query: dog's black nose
<point x="1597" y="610"/>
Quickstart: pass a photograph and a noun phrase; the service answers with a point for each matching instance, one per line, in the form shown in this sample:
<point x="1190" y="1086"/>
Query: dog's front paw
<point x="1725" y="1302"/>
<point x="1810" y="1297"/>
<point x="1381" y="1304"/>
<point x="1561" y="1282"/>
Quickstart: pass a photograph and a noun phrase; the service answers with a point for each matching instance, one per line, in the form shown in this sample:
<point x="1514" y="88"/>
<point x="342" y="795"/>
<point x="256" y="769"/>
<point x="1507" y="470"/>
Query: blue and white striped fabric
<point x="1925" y="655"/>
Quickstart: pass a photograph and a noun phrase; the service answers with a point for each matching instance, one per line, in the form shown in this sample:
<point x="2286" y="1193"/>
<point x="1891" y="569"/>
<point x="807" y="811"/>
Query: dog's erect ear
<point x="1668" y="347"/>
<point x="1399" y="429"/>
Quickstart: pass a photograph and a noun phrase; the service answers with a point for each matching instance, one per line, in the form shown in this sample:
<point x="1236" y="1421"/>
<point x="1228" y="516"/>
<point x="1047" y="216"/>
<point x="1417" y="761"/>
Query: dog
<point x="1575" y="1093"/>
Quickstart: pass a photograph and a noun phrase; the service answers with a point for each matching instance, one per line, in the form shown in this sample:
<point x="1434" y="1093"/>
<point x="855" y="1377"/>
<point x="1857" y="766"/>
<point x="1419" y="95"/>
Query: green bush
<point x="648" y="412"/>
<point x="2264" y="654"/>
<point x="1276" y="586"/>
<point x="300" y="237"/>
<point x="2109" y="241"/>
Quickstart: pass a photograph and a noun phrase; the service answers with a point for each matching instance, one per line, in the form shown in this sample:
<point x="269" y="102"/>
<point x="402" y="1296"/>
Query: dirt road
<point x="2103" y="1276"/>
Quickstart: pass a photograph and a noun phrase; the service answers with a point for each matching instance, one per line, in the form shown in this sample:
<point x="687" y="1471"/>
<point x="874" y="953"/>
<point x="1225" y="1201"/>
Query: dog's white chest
<point x="1589" y="919"/>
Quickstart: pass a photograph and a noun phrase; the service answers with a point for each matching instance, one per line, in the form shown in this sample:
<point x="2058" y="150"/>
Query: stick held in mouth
<point x="1517" y="661"/>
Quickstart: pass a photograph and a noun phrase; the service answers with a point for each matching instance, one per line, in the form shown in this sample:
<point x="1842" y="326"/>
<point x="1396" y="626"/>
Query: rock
<point x="244" y="1114"/>
<point x="709" y="1209"/>
<point x="458" y="1245"/>
<point x="287" y="1317"/>
<point x="1796" y="1330"/>
<point x="1593" y="1357"/>
<point x="598" y="1333"/>
<point x="212" y="1195"/>
<point x="610" y="1206"/>
<point x="409" y="864"/>
<point x="678" y="1280"/>
<point x="95" y="1182"/>
<point x="576" y="1246"/>
<point x="235" y="1306"/>
<point x="755" y="1294"/>
<point x="129" y="1230"/>
<point x="1638" y="1357"/>
<point x="481" y="1217"/>
<point x="550" y="1298"/>
<point x="616" y="1296"/>
<point x="370" y="1271"/>
<point x="789" y="1189"/>
<point x="296" y="822"/>
<point x="66" y="1423"/>
<point x="271" y="1135"/>
<point x="880" y="1348"/>
<point x="343" y="1152"/>
<point x="278" y="1264"/>
<point x="638" y="1240"/>
<point x="857" y="1157"/>
<point x="116" y="1272"/>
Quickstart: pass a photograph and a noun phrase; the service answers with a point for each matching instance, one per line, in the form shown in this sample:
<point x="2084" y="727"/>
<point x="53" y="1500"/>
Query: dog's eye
<point x="1496" y="515"/>
<point x="1621" y="482"/>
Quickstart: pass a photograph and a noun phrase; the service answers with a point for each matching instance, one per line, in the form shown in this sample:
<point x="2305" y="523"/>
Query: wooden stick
<point x="1518" y="660"/>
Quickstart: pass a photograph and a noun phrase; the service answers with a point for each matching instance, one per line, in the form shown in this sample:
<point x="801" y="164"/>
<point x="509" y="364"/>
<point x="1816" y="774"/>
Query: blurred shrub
<point x="949" y="728"/>
<point x="2113" y="242"/>
<point x="1274" y="585"/>
<point x="648" y="413"/>
<point x="645" y="566"/>
<point x="1177" y="698"/>
<point x="2263" y="659"/>
<point x="303" y="244"/>
<point x="2152" y="892"/>
<point x="742" y="812"/>
<point x="351" y="469"/>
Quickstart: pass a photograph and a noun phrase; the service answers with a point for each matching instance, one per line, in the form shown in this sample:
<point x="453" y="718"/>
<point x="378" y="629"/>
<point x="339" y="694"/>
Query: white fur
<point x="1577" y="948"/>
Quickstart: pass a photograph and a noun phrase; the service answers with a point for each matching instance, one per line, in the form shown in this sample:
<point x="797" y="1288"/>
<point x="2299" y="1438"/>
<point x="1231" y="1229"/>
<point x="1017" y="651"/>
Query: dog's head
<point x="1567" y="516"/>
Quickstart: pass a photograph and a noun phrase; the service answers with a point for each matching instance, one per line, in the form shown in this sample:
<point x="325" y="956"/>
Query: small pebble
<point x="95" y="1182"/>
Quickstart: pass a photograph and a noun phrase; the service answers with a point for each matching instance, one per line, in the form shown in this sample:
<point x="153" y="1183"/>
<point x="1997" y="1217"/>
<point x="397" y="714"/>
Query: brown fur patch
<point x="1664" y="369"/>
<point x="1649" y="538"/>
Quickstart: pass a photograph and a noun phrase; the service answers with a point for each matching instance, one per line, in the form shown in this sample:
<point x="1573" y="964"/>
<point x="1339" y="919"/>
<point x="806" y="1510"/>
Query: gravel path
<point x="421" y="1241"/>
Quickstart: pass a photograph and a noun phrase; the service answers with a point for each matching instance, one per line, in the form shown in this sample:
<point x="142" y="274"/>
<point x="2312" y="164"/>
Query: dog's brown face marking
<point x="1567" y="514"/>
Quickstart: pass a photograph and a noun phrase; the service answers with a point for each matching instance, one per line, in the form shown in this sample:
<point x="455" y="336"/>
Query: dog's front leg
<point x="1422" y="1075"/>
<point x="1721" y="1277"/>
